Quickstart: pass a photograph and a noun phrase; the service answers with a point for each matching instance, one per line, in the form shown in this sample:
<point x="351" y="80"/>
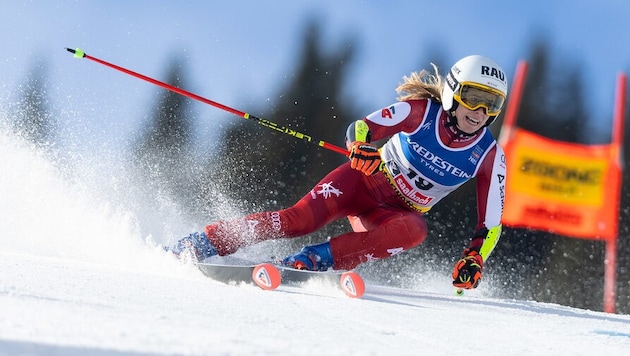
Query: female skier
<point x="438" y="140"/>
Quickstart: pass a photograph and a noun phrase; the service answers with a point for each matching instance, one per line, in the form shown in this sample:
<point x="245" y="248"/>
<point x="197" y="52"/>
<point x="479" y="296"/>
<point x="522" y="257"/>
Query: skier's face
<point x="470" y="121"/>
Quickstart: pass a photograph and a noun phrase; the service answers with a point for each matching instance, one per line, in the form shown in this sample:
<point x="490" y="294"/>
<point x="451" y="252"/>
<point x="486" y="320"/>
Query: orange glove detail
<point x="364" y="157"/>
<point x="467" y="272"/>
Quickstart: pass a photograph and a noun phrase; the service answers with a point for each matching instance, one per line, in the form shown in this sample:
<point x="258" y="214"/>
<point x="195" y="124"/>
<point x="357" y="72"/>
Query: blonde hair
<point x="421" y="85"/>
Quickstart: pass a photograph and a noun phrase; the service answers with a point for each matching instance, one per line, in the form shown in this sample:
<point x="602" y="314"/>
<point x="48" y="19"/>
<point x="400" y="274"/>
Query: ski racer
<point x="437" y="140"/>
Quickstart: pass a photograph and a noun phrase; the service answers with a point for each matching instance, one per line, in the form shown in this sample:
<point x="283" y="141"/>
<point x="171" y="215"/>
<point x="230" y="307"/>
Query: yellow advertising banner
<point x="565" y="188"/>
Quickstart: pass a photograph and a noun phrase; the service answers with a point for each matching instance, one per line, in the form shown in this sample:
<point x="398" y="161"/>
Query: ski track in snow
<point x="58" y="306"/>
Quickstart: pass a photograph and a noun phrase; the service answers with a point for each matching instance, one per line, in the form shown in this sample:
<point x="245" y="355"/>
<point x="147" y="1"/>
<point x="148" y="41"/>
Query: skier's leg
<point x="389" y="232"/>
<point x="342" y="192"/>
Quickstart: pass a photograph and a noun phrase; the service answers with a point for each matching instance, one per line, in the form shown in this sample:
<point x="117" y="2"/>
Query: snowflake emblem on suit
<point x="327" y="190"/>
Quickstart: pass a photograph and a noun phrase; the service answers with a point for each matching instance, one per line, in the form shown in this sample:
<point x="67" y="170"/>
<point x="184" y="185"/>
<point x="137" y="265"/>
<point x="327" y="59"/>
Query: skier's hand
<point x="467" y="272"/>
<point x="364" y="157"/>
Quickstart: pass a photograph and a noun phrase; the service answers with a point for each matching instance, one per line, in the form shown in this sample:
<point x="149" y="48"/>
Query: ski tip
<point x="352" y="284"/>
<point x="459" y="292"/>
<point x="266" y="276"/>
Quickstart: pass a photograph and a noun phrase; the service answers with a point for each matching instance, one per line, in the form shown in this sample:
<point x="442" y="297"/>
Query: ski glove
<point x="364" y="157"/>
<point x="467" y="272"/>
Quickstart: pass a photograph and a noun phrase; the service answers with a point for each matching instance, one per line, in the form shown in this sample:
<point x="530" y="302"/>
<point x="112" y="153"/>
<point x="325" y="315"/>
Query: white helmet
<point x="475" y="81"/>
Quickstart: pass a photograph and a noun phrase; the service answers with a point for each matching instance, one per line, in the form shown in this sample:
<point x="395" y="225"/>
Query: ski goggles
<point x="474" y="96"/>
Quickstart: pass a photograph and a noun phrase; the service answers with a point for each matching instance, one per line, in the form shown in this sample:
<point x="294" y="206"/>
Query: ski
<point x="269" y="276"/>
<point x="350" y="282"/>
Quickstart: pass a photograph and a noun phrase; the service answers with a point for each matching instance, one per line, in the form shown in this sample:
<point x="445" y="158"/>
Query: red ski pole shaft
<point x="78" y="53"/>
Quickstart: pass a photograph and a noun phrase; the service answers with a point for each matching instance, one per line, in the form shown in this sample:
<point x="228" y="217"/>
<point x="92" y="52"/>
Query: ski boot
<point x="195" y="246"/>
<point x="311" y="258"/>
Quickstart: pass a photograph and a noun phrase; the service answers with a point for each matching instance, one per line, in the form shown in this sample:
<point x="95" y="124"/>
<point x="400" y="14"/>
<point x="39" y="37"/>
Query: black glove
<point x="364" y="157"/>
<point x="467" y="272"/>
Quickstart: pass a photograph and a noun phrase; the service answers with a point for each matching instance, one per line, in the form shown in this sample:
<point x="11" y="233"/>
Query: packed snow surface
<point x="77" y="277"/>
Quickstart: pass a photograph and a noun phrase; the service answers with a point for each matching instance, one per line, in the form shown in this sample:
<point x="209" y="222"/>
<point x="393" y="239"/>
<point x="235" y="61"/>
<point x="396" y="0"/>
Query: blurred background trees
<point x="33" y="119"/>
<point x="274" y="169"/>
<point x="258" y="169"/>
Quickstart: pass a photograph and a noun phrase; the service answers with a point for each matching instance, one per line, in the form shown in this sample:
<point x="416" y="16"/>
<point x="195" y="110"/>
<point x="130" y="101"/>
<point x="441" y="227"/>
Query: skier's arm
<point x="490" y="200"/>
<point x="403" y="116"/>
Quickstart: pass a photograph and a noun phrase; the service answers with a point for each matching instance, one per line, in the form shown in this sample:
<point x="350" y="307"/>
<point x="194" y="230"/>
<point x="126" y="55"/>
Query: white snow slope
<point x="77" y="278"/>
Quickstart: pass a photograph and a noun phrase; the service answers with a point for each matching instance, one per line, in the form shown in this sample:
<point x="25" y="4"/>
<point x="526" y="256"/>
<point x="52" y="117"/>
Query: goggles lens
<point x="473" y="97"/>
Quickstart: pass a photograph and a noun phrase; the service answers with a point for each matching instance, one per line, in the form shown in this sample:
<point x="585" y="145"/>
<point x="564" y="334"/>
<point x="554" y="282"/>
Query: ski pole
<point x="78" y="53"/>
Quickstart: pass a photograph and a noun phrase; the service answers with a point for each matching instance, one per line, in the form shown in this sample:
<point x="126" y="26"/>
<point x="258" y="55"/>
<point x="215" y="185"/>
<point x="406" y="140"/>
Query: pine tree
<point x="163" y="154"/>
<point x="33" y="119"/>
